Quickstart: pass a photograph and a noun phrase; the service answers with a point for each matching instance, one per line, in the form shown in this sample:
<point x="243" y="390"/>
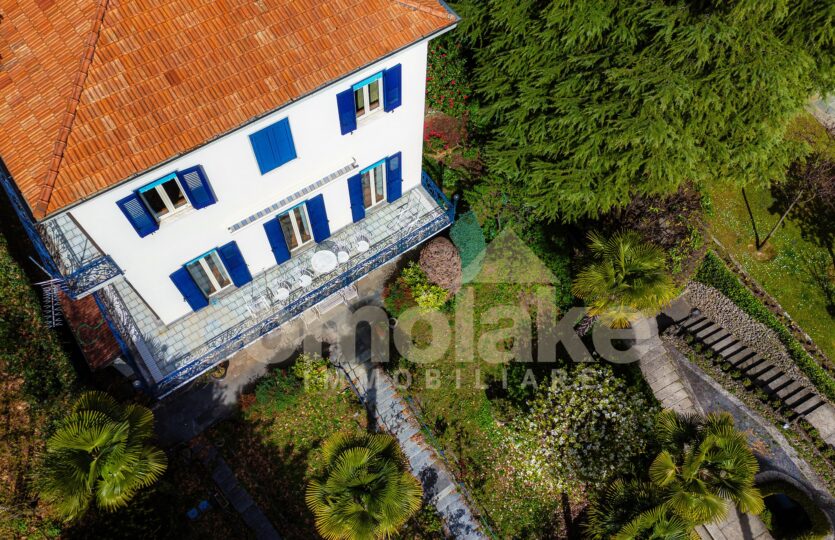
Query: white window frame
<point x="166" y="200"/>
<point x="366" y="95"/>
<point x="372" y="177"/>
<point x="201" y="260"/>
<point x="296" y="231"/>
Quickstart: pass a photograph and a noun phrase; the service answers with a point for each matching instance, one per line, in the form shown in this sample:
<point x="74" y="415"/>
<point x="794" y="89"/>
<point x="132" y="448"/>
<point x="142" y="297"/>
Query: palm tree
<point x="657" y="524"/>
<point x="99" y="452"/>
<point x="621" y="502"/>
<point x="705" y="463"/>
<point x="627" y="279"/>
<point x="366" y="492"/>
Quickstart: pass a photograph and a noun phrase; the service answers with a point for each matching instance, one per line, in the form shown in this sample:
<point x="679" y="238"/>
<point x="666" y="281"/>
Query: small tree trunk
<point x="760" y="245"/>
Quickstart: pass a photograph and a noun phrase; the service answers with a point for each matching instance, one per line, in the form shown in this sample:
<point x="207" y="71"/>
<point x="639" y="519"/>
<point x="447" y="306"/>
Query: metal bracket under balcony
<point x="91" y="276"/>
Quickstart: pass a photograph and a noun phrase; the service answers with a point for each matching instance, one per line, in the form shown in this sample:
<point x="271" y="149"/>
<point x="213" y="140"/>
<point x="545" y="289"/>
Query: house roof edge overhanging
<point x="90" y="137"/>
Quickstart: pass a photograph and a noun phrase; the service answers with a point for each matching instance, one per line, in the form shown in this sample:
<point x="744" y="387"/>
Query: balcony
<point x="172" y="355"/>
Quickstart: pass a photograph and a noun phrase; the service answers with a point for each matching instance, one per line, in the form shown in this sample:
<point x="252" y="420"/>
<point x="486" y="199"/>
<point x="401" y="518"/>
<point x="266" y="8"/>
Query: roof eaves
<point x="47" y="187"/>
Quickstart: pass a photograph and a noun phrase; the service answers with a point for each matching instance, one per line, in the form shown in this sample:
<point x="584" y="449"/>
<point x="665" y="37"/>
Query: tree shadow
<point x="816" y="220"/>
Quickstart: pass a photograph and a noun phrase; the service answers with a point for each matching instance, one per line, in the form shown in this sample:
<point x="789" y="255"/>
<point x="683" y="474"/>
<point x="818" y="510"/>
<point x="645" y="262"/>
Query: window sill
<point x="176" y="215"/>
<point x="370" y="117"/>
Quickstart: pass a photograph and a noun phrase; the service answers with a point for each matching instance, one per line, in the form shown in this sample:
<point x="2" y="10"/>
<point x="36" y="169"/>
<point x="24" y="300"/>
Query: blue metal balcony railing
<point x="232" y="340"/>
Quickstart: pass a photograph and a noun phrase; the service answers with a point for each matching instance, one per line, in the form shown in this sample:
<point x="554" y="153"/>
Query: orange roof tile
<point x="95" y="91"/>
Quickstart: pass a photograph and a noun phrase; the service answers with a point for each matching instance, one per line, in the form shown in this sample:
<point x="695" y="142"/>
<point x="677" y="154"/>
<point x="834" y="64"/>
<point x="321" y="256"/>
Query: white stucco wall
<point x="241" y="190"/>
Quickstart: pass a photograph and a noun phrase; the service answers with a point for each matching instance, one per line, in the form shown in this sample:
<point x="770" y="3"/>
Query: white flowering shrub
<point x="585" y="428"/>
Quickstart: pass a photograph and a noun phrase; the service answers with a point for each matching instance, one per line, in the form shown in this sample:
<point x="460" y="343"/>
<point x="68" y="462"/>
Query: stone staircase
<point x="796" y="396"/>
<point x="376" y="390"/>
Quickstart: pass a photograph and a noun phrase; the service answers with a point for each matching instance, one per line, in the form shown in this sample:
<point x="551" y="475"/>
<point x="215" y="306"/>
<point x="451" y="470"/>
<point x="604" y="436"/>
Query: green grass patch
<point x="796" y="274"/>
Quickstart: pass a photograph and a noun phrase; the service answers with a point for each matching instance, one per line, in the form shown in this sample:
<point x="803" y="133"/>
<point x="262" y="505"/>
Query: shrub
<point x="426" y="295"/>
<point x="447" y="88"/>
<point x="441" y="263"/>
<point x="468" y="237"/>
<point x="312" y="369"/>
<point x="588" y="427"/>
<point x="715" y="273"/>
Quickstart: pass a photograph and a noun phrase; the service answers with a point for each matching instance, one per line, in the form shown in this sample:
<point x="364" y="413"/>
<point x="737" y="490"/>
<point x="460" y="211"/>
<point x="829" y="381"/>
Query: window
<point x="374" y="185"/>
<point x="208" y="273"/>
<point x="164" y="196"/>
<point x="367" y="95"/>
<point x="296" y="227"/>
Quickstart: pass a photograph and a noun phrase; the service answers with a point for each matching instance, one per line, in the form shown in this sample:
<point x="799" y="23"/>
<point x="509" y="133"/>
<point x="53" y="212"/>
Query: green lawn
<point x="797" y="251"/>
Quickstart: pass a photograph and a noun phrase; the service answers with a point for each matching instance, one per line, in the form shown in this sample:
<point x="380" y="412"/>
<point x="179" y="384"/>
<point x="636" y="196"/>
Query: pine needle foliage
<point x="587" y="103"/>
<point x="99" y="452"/>
<point x="366" y="493"/>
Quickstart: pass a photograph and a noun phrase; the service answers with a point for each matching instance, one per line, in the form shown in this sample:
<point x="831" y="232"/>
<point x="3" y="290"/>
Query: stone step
<point x="771" y="375"/>
<point x="716" y="337"/>
<point x="723" y="344"/>
<point x="704" y="323"/>
<point x="732" y="350"/>
<point x="809" y="405"/>
<point x="740" y="357"/>
<point x="750" y="363"/>
<point x="407" y="432"/>
<point x="708" y="330"/>
<point x="756" y="369"/>
<point x="692" y="321"/>
<point x="790" y="390"/>
<point x="800" y="397"/>
<point x="780" y="382"/>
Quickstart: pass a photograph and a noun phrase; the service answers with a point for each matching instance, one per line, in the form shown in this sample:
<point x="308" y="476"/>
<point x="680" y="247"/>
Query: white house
<point x="200" y="173"/>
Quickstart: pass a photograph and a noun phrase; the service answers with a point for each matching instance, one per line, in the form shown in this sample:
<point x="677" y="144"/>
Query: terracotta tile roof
<point x="95" y="91"/>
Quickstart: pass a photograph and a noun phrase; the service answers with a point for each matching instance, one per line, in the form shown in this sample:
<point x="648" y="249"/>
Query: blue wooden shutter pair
<point x="277" y="242"/>
<point x="138" y="214"/>
<point x="394" y="178"/>
<point x="392" y="93"/>
<point x="355" y="196"/>
<point x="234" y="263"/>
<point x="392" y="98"/>
<point x="196" y="186"/>
<point x="318" y="218"/>
<point x="347" y="112"/>
<point x="273" y="146"/>
<point x="235" y="266"/>
<point x="189" y="289"/>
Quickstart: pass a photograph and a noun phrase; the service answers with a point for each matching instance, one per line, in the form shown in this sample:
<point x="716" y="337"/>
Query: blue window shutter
<point x="138" y="214"/>
<point x="273" y="146"/>
<point x="394" y="178"/>
<point x="318" y="218"/>
<point x="355" y="195"/>
<point x="234" y="263"/>
<point x="392" y="94"/>
<point x="196" y="186"/>
<point x="277" y="242"/>
<point x="189" y="289"/>
<point x="347" y="113"/>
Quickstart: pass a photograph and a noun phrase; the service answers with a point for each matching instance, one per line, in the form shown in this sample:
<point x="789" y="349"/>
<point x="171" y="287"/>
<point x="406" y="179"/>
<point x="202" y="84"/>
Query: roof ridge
<point x="440" y="12"/>
<point x="48" y="185"/>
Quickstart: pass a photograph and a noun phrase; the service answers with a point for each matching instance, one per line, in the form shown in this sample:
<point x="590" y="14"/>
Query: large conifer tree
<point x="590" y="102"/>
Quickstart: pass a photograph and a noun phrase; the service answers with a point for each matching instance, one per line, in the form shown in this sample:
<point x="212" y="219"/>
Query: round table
<point x="363" y="246"/>
<point x="282" y="293"/>
<point x="323" y="261"/>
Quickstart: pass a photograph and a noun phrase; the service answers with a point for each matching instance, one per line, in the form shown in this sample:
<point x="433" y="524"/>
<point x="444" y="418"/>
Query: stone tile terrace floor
<point x="256" y="300"/>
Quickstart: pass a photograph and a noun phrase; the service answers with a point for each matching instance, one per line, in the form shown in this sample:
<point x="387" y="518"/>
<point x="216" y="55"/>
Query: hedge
<point x="715" y="273"/>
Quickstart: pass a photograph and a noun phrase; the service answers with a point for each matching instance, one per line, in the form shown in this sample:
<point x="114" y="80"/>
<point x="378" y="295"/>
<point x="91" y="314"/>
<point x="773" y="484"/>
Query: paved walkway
<point x="376" y="390"/>
<point x="661" y="370"/>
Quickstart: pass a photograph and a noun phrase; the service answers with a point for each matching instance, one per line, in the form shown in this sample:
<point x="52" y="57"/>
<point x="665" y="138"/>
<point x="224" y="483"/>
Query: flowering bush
<point x="585" y="428"/>
<point x="447" y="89"/>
